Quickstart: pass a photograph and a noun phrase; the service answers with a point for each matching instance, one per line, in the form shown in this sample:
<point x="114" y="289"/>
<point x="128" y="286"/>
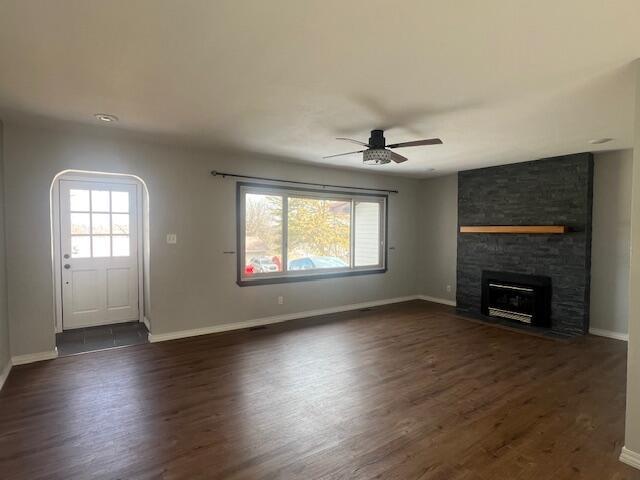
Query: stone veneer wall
<point x="543" y="192"/>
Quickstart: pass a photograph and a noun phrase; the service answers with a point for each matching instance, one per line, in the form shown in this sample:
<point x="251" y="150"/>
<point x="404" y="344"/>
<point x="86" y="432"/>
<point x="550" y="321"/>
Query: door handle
<point x="67" y="266"/>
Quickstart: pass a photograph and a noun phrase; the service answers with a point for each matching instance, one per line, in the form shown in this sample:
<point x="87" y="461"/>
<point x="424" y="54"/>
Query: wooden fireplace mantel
<point x="543" y="229"/>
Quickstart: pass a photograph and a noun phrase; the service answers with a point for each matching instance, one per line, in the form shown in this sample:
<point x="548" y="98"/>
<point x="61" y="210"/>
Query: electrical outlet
<point x="280" y="300"/>
<point x="172" y="238"/>
<point x="449" y="288"/>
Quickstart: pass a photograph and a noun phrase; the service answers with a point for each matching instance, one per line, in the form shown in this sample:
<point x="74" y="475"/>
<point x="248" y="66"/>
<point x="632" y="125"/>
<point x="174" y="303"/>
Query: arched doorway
<point x="100" y="254"/>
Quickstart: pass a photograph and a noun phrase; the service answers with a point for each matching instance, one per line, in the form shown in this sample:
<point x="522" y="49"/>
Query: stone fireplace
<point x="555" y="191"/>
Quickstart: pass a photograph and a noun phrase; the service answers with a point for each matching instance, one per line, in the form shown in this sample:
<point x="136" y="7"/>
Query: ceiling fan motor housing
<point x="376" y="156"/>
<point x="377" y="139"/>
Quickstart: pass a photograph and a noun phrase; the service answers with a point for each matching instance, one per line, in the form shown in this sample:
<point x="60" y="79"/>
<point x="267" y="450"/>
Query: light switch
<point x="172" y="238"/>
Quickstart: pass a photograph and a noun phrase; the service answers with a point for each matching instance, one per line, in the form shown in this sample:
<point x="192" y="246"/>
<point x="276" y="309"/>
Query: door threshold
<point x="119" y="347"/>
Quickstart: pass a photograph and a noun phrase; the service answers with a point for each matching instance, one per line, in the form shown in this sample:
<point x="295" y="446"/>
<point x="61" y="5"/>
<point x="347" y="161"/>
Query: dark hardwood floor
<point x="406" y="391"/>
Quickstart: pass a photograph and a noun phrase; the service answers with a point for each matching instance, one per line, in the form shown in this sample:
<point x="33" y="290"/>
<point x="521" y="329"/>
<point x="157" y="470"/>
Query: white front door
<point x="99" y="250"/>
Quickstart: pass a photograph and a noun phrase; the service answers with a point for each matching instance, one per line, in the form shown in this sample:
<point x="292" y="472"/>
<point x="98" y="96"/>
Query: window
<point x="288" y="234"/>
<point x="99" y="223"/>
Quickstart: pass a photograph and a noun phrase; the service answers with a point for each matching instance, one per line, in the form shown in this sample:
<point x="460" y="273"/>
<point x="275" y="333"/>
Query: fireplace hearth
<point x="517" y="297"/>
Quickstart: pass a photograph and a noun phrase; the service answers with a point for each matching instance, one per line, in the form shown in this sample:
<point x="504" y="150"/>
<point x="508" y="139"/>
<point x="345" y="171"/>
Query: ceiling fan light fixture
<point x="376" y="156"/>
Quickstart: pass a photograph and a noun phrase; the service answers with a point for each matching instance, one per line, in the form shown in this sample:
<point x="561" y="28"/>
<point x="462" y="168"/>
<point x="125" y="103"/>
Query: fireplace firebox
<point x="517" y="297"/>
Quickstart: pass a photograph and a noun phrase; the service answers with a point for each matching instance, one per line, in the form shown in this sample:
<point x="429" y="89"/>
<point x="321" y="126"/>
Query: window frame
<point x="288" y="276"/>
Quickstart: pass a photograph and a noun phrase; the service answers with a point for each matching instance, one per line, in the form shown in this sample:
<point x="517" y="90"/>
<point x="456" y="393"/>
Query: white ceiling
<point x="498" y="80"/>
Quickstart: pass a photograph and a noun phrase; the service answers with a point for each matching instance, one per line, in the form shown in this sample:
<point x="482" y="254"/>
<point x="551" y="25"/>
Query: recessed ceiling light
<point x="105" y="117"/>
<point x="599" y="141"/>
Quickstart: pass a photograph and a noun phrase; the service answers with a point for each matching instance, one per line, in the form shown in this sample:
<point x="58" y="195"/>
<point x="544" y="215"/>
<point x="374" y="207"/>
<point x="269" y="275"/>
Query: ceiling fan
<point x="377" y="151"/>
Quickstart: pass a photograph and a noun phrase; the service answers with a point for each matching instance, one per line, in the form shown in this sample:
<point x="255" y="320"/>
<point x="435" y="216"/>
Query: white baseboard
<point x="443" y="301"/>
<point x="630" y="458"/>
<point x="609" y="334"/>
<point x="34" y="357"/>
<point x="5" y="373"/>
<point x="161" y="337"/>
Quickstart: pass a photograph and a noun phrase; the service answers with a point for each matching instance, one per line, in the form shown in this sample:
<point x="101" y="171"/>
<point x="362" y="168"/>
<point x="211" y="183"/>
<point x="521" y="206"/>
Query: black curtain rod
<point x="323" y="185"/>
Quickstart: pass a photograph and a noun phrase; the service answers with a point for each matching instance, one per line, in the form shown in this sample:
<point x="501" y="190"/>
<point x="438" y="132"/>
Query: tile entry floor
<point x="89" y="339"/>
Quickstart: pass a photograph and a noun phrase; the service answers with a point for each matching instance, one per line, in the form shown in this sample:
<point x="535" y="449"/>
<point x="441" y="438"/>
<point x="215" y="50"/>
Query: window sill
<point x="306" y="278"/>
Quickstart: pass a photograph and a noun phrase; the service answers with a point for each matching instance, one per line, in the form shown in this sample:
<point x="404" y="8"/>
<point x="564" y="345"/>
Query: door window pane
<point x="80" y="224"/>
<point x="96" y="231"/>
<point x="99" y="200"/>
<point x="367" y="234"/>
<point x="263" y="234"/>
<point x="100" y="223"/>
<point x="80" y="247"/>
<point x="101" y="246"/>
<point x="319" y="233"/>
<point x="79" y="200"/>
<point x="120" y="245"/>
<point x="120" y="202"/>
<point x="120" y="223"/>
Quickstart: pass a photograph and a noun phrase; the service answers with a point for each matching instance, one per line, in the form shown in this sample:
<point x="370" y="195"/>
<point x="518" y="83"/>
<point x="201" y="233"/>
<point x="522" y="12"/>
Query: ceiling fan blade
<point x="416" y="143"/>
<point x="353" y="141"/>
<point x="397" y="158"/>
<point x="341" y="154"/>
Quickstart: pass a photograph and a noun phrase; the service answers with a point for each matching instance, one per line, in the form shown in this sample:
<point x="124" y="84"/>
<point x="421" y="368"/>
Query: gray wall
<point x="632" y="432"/>
<point x="611" y="241"/>
<point x="438" y="212"/>
<point x="5" y="354"/>
<point x="193" y="282"/>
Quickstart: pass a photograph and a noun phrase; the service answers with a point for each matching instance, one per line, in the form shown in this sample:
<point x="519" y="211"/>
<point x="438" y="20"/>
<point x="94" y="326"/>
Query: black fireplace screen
<point x="524" y="298"/>
<point x="510" y="301"/>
